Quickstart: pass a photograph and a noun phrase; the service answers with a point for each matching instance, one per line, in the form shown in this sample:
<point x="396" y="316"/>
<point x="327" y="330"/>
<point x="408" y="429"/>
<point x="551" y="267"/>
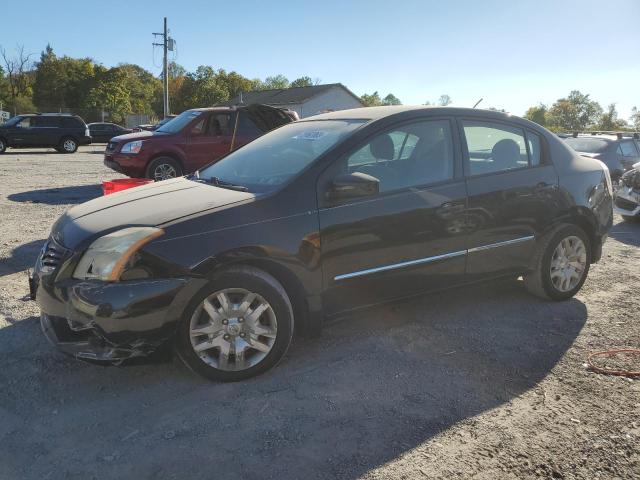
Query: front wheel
<point x="238" y="327"/>
<point x="163" y="168"/>
<point x="3" y="145"/>
<point x="560" y="264"/>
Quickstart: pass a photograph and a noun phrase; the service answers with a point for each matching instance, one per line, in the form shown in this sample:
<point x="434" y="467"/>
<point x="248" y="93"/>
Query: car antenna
<point x="478" y="102"/>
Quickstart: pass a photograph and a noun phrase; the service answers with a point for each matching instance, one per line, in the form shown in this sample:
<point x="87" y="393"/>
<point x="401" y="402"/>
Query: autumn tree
<point x="609" y="119"/>
<point x="574" y="113"/>
<point x="537" y="114"/>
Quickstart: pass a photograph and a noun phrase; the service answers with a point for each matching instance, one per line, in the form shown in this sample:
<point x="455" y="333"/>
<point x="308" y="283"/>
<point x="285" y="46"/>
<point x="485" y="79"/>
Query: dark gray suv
<point x="618" y="151"/>
<point x="54" y="130"/>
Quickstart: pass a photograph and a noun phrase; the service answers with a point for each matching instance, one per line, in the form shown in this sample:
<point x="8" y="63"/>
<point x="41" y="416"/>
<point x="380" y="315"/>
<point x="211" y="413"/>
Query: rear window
<point x="45" y="121"/>
<point x="71" y="122"/>
<point x="246" y="127"/>
<point x="587" y="145"/>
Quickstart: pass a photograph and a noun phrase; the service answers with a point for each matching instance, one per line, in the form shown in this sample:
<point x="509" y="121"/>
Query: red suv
<point x="191" y="140"/>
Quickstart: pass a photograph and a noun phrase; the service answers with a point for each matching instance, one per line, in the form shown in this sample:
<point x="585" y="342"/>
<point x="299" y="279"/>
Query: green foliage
<point x="110" y="94"/>
<point x="574" y="113"/>
<point x="537" y="114"/>
<point x="374" y="100"/>
<point x="302" y="82"/>
<point x="609" y="120"/>
<point x="277" y="81"/>
<point x="444" y="100"/>
<point x="635" y="119"/>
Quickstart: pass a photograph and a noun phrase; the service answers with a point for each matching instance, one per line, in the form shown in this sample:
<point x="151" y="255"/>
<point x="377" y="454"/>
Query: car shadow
<point x="58" y="195"/>
<point x="21" y="257"/>
<point x="370" y="389"/>
<point x="627" y="232"/>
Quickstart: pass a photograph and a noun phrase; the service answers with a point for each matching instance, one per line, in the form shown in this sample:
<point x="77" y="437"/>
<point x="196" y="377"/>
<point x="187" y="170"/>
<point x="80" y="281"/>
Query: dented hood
<point x="148" y="205"/>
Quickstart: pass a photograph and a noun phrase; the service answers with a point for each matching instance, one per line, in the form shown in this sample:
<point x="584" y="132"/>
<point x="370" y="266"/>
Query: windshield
<point x="274" y="158"/>
<point x="587" y="145"/>
<point x="12" y="121"/>
<point x="176" y="124"/>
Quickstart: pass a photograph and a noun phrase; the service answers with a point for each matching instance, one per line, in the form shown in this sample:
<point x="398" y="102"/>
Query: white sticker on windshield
<point x="313" y="135"/>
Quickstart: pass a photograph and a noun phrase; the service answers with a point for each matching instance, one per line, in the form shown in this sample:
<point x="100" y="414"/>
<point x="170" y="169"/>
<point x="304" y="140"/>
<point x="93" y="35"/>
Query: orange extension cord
<point x="609" y="371"/>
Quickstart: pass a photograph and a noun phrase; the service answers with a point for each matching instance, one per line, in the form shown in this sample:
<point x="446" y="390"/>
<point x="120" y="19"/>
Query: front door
<point x="23" y="134"/>
<point x="209" y="139"/>
<point x="513" y="195"/>
<point x="406" y="239"/>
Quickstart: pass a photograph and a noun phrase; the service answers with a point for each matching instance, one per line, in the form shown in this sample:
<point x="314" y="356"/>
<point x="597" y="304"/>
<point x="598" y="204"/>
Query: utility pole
<point x="167" y="44"/>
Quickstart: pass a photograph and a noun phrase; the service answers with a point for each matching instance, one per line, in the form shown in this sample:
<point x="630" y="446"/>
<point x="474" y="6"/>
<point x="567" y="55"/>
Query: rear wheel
<point x="3" y="145"/>
<point x="561" y="264"/>
<point x="238" y="327"/>
<point x="163" y="168"/>
<point x="68" y="145"/>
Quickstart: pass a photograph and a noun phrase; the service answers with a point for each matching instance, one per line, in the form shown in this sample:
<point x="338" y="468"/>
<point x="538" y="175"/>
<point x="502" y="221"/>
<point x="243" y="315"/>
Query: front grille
<point x="53" y="254"/>
<point x="625" y="204"/>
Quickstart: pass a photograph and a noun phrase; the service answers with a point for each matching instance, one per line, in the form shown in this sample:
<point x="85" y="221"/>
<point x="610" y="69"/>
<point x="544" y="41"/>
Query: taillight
<point x="86" y="132"/>
<point x="608" y="177"/>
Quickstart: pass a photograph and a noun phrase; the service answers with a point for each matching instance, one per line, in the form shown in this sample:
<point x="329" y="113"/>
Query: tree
<point x="275" y="82"/>
<point x="302" y="82"/>
<point x="18" y="76"/>
<point x="374" y="100"/>
<point x="574" y="113"/>
<point x="391" y="99"/>
<point x="609" y="120"/>
<point x="111" y="95"/>
<point x="444" y="100"/>
<point x="537" y="114"/>
<point x="635" y="118"/>
<point x="201" y="88"/>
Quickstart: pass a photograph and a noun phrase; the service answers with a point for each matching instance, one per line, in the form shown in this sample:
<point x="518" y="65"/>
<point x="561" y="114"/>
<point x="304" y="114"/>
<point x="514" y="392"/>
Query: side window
<point x="628" y="149"/>
<point x="415" y="154"/>
<point x="494" y="147"/>
<point x="219" y="125"/>
<point x="535" y="146"/>
<point x="25" y="122"/>
<point x="198" y="128"/>
<point x="247" y="128"/>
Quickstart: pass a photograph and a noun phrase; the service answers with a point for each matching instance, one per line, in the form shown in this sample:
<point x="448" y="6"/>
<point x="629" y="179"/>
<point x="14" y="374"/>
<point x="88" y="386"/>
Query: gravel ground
<point x="484" y="382"/>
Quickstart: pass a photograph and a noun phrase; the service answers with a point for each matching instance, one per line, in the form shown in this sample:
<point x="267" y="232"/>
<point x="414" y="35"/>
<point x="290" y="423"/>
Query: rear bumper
<point x="131" y="165"/>
<point x="85" y="140"/>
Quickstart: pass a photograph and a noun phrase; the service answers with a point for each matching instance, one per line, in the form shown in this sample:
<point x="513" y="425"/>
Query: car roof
<point x="376" y="113"/>
<point x="606" y="138"/>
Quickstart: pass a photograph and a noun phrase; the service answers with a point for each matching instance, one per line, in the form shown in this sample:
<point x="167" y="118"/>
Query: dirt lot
<point x="484" y="382"/>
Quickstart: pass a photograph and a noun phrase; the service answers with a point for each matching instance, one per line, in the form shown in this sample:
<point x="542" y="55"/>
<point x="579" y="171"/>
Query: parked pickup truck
<point x="193" y="139"/>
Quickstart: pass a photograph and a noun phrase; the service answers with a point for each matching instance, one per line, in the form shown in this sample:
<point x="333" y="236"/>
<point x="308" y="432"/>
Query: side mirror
<point x="353" y="185"/>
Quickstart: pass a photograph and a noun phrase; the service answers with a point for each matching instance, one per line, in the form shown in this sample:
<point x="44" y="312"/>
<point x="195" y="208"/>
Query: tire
<point x="539" y="282"/>
<point x="163" y="168"/>
<point x="3" y="145"/>
<point x="68" y="145"/>
<point x="203" y="328"/>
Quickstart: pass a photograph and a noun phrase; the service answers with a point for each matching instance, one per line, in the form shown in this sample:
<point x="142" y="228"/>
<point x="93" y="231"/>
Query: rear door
<point x="408" y="238"/>
<point x="629" y="153"/>
<point x="209" y="139"/>
<point x="513" y="194"/>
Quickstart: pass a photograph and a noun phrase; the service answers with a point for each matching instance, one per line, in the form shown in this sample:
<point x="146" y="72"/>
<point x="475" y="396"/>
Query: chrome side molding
<point x="435" y="258"/>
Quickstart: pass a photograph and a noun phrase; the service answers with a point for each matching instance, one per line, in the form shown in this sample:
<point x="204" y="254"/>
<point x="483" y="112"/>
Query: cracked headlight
<point x="107" y="257"/>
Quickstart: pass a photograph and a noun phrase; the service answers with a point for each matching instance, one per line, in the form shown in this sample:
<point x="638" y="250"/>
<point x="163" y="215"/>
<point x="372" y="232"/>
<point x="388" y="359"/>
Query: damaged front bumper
<point x="112" y="322"/>
<point x="626" y="201"/>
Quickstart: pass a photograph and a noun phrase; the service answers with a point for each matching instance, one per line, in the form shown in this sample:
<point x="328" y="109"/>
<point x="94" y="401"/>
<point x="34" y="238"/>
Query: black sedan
<point x="318" y="217"/>
<point x="103" y="132"/>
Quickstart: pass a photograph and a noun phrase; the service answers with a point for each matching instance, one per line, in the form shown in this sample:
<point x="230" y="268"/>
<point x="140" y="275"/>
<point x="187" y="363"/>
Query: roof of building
<point x="287" y="96"/>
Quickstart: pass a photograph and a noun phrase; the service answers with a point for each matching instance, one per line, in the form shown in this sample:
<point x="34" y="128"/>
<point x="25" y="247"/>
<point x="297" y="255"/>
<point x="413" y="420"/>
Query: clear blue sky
<point x="512" y="53"/>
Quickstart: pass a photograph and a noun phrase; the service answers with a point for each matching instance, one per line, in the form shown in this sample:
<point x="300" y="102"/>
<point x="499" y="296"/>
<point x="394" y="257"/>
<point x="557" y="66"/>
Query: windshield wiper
<point x="221" y="183"/>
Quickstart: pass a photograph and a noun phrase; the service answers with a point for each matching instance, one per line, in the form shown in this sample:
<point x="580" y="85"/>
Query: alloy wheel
<point x="233" y="329"/>
<point x="164" y="171"/>
<point x="568" y="263"/>
<point x="69" y="145"/>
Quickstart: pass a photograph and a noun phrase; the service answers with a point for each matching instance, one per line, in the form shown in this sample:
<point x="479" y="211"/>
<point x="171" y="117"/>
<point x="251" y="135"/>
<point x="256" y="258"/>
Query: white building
<point x="306" y="101"/>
